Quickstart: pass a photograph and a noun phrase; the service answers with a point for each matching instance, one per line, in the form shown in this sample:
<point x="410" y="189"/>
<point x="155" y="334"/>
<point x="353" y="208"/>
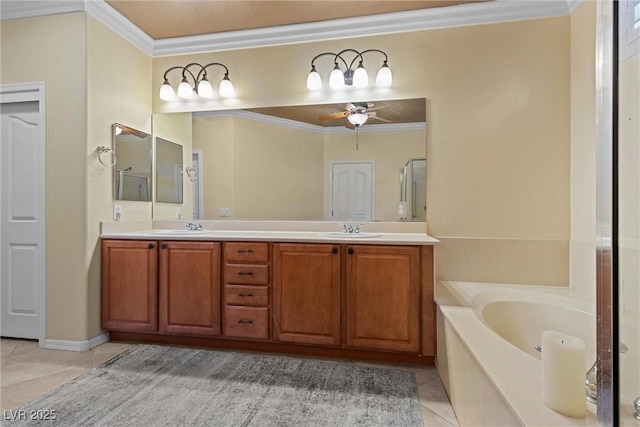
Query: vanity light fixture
<point x="196" y="85"/>
<point x="357" y="77"/>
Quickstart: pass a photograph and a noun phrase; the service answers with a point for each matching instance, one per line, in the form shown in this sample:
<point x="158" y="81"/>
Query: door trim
<point x="199" y="188"/>
<point x="373" y="184"/>
<point x="29" y="92"/>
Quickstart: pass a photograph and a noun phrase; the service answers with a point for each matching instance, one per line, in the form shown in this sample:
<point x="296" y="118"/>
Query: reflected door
<point x="352" y="191"/>
<point x="22" y="252"/>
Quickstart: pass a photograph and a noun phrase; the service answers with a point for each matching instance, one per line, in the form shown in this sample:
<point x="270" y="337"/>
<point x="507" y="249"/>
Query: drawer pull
<point x="245" y="321"/>
<point x="245" y="295"/>
<point x="245" y="273"/>
<point x="245" y="251"/>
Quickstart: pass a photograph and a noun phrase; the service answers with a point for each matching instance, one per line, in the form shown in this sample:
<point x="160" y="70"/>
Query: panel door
<point x="190" y="288"/>
<point x="130" y="285"/>
<point x="22" y="220"/>
<point x="307" y="293"/>
<point x="352" y="191"/>
<point x="383" y="298"/>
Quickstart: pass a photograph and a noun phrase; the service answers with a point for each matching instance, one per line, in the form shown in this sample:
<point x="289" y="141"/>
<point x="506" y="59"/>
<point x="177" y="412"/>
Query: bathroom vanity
<point x="291" y="292"/>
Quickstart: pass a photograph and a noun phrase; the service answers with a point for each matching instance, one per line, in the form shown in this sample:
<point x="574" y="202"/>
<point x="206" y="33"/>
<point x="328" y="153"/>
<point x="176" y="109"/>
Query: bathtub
<point x="488" y="359"/>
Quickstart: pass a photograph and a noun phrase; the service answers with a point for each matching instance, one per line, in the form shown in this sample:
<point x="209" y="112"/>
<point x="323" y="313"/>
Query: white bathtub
<point x="487" y="357"/>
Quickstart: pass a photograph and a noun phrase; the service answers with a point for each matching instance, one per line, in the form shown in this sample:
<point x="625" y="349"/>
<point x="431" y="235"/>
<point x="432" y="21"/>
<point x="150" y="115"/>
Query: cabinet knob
<point x="163" y="246"/>
<point x="245" y="321"/>
<point x="334" y="250"/>
<point x="350" y="251"/>
<point x="151" y="245"/>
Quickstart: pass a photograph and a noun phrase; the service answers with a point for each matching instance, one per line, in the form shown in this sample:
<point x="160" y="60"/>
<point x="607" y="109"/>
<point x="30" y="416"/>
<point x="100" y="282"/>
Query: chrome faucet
<point x="351" y="228"/>
<point x="192" y="226"/>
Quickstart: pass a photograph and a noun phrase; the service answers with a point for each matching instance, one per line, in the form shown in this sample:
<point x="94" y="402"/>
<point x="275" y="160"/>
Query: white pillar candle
<point x="563" y="374"/>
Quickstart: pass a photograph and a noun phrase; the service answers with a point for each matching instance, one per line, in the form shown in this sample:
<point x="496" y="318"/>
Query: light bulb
<point x="357" y="119"/>
<point x="166" y="92"/>
<point x="204" y="88"/>
<point x="384" y="77"/>
<point x="360" y="76"/>
<point x="226" y="88"/>
<point x="336" y="78"/>
<point x="314" y="82"/>
<point x="184" y="89"/>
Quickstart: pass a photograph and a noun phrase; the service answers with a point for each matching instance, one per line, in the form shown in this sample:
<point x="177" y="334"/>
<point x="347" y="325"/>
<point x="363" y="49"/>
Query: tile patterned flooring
<point x="27" y="371"/>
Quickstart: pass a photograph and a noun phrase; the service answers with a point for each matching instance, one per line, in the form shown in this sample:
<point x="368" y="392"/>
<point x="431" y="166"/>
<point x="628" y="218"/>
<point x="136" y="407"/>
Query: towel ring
<point x="101" y="150"/>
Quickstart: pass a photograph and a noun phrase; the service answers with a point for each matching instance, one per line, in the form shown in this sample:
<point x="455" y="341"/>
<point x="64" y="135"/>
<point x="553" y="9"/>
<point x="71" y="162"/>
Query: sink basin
<point x="184" y="232"/>
<point x="350" y="235"/>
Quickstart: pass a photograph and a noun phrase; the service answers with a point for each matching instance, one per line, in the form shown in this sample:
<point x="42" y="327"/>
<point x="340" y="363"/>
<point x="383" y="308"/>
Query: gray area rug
<point x="150" y="385"/>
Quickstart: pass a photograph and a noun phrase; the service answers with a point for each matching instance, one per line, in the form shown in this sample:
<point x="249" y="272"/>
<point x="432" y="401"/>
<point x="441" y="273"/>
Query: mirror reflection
<point x="307" y="162"/>
<point x="169" y="171"/>
<point x="132" y="173"/>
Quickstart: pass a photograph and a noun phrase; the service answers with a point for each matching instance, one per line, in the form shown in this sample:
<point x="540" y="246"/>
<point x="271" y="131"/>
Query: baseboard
<point x="76" y="345"/>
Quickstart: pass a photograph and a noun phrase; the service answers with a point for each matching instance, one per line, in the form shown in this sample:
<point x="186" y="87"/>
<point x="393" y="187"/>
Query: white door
<point x="352" y="191"/>
<point x="22" y="219"/>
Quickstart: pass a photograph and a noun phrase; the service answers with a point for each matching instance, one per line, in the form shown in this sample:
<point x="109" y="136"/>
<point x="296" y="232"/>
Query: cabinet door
<point x="190" y="288"/>
<point x="129" y="285"/>
<point x="383" y="298"/>
<point x="307" y="293"/>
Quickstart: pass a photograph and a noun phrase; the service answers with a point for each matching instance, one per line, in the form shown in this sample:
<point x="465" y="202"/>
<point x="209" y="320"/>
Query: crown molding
<point x="396" y="22"/>
<point x="292" y="124"/>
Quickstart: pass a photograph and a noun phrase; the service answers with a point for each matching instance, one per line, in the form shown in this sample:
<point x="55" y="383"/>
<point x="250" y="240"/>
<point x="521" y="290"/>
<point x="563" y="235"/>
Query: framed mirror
<point x="132" y="173"/>
<point x="169" y="171"/>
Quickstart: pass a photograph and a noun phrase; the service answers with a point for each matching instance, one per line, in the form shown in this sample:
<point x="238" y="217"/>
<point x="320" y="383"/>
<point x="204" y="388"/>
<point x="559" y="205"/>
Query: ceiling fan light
<point x="336" y="78"/>
<point x="204" y="88"/>
<point x="166" y="91"/>
<point x="226" y="88"/>
<point x="184" y="89"/>
<point x="360" y="76"/>
<point x="314" y="82"/>
<point x="357" y="119"/>
<point x="384" y="76"/>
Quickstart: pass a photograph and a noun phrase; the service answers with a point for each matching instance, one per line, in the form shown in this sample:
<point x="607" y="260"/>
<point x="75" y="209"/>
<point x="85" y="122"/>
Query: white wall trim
<point x="396" y="22"/>
<point x="24" y="92"/>
<point x="277" y="121"/>
<point x="76" y="345"/>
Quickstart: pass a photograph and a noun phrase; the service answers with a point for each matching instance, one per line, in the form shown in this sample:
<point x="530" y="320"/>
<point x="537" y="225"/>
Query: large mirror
<point x="132" y="171"/>
<point x="306" y="162"/>
<point x="169" y="171"/>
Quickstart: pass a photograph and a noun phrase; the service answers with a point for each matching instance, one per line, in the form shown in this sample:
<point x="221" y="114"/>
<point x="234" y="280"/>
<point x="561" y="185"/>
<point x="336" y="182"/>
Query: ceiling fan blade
<point x="349" y="106"/>
<point x="376" y="108"/>
<point x="349" y="125"/>
<point x="371" y="116"/>
<point x="332" y="116"/>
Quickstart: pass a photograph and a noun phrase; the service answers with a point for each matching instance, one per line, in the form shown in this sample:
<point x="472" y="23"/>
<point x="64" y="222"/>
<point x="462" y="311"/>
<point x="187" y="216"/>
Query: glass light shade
<point x="204" y="88"/>
<point x="166" y="92"/>
<point x="357" y="119"/>
<point x="226" y="88"/>
<point x="360" y="77"/>
<point x="184" y="90"/>
<point x="384" y="76"/>
<point x="314" y="82"/>
<point x="336" y="78"/>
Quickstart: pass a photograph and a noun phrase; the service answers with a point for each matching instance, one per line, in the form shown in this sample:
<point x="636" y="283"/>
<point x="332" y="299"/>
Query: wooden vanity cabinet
<point x="129" y="295"/>
<point x="383" y="298"/>
<point x="190" y="288"/>
<point x="307" y="293"/>
<point x="246" y="290"/>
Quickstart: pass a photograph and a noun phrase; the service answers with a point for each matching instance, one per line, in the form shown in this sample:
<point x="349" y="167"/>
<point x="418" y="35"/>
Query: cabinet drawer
<point x="246" y="274"/>
<point x="246" y="322"/>
<point x="246" y="252"/>
<point x="246" y="295"/>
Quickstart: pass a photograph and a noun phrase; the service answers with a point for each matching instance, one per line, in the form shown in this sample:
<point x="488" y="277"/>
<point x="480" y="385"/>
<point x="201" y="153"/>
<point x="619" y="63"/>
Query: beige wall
<point x="498" y="131"/>
<point x="583" y="149"/>
<point x="176" y="128"/>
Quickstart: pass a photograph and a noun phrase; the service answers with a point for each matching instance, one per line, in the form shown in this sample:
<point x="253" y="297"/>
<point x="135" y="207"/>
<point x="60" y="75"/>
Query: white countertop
<point x="276" y="236"/>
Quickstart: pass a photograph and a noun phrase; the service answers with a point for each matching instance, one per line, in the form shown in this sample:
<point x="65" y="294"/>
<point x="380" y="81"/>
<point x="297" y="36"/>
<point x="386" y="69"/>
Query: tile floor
<point x="27" y="371"/>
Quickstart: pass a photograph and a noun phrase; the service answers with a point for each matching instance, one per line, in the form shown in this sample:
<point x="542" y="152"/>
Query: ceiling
<point x="395" y="111"/>
<point x="162" y="19"/>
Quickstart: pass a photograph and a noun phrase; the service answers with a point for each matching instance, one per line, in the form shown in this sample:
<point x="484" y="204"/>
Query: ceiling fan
<point x="356" y="113"/>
